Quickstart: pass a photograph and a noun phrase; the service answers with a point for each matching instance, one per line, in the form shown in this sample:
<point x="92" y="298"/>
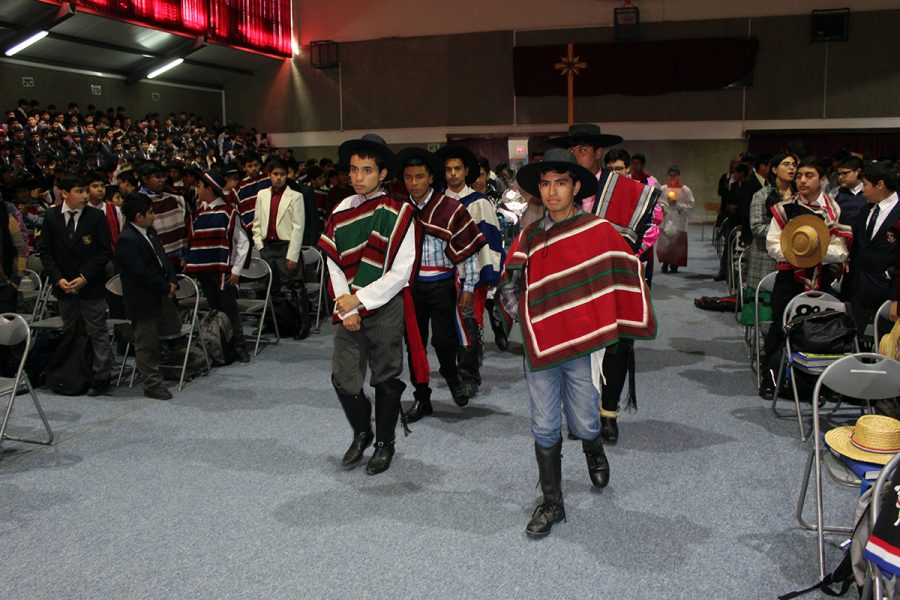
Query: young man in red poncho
<point x="576" y="287"/>
<point x="370" y="244"/>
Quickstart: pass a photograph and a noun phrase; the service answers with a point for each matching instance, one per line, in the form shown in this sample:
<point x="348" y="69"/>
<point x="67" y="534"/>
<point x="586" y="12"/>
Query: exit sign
<point x="520" y="150"/>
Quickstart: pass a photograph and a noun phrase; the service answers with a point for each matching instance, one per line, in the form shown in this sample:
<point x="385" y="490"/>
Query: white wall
<point x="353" y="20"/>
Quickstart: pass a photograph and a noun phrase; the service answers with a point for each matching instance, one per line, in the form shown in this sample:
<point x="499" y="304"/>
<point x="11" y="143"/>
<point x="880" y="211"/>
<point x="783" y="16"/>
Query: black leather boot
<point x="358" y="411"/>
<point x="551" y="510"/>
<point x="597" y="463"/>
<point x="355" y="452"/>
<point x="457" y="391"/>
<point x="381" y="459"/>
<point x="609" y="430"/>
<point x="421" y="407"/>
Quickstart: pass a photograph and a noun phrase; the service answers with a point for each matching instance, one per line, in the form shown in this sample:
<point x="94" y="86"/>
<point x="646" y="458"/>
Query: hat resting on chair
<point x="804" y="241"/>
<point x="874" y="439"/>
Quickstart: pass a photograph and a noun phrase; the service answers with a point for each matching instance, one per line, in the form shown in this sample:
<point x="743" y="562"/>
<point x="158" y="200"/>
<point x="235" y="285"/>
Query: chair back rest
<point x="882" y="321"/>
<point x="114" y="285"/>
<point x="257" y="269"/>
<point x="766" y="284"/>
<point x="807" y="303"/>
<point x="311" y="256"/>
<point x="865" y="376"/>
<point x="31" y="282"/>
<point x="187" y="287"/>
<point x="13" y="329"/>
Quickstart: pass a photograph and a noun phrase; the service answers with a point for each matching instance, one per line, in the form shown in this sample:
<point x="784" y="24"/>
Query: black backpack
<point x="69" y="370"/>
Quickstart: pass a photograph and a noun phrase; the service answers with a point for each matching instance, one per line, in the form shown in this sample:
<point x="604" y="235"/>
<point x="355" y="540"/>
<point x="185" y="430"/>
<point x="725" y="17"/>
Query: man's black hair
<point x="313" y="172"/>
<point x="484" y="164"/>
<point x="276" y="163"/>
<point x="761" y="160"/>
<point x="852" y="163"/>
<point x="365" y="153"/>
<point x="617" y="154"/>
<point x="67" y="182"/>
<point x="814" y="163"/>
<point x="93" y="176"/>
<point x="742" y="168"/>
<point x="881" y="172"/>
<point x="134" y="204"/>
<point x="418" y="162"/>
<point x="250" y="156"/>
<point x="128" y="176"/>
<point x="639" y="157"/>
<point x="325" y="162"/>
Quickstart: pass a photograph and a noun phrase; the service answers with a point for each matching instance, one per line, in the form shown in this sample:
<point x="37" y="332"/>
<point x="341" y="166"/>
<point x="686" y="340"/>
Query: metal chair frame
<point x="877" y="378"/>
<point x="883" y="314"/>
<point x="820" y="301"/>
<point x="766" y="284"/>
<point x="312" y="255"/>
<point x="259" y="269"/>
<point x="13" y="331"/>
<point x="187" y="289"/>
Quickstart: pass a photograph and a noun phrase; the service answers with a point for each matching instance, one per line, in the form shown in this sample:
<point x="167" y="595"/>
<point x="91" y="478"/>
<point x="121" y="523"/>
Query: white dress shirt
<point x="884" y="209"/>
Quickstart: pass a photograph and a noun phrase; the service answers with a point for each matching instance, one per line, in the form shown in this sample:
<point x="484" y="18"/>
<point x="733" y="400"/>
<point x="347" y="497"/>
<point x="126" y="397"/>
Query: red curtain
<point x="495" y="149"/>
<point x="258" y="25"/>
<point x="825" y="143"/>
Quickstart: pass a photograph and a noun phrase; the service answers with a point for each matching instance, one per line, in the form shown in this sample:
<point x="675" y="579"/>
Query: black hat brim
<point x="465" y="155"/>
<point x="351" y="147"/>
<point x="529" y="176"/>
<point x="604" y="140"/>
<point x="435" y="164"/>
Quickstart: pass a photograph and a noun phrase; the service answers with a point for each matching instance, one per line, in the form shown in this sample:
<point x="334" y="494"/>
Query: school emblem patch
<point x="891" y="236"/>
<point x="86" y="240"/>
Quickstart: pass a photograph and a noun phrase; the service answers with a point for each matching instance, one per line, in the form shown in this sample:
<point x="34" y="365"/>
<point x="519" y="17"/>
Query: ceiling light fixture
<point x="27" y="42"/>
<point x="164" y="68"/>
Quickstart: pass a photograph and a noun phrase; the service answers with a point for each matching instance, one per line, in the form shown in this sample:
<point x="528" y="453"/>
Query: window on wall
<point x="258" y="25"/>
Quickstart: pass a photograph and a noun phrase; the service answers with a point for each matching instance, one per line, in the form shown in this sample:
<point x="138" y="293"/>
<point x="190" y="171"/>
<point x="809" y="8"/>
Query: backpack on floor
<point x="717" y="304"/>
<point x="69" y="370"/>
<point x="216" y="337"/>
<point x="43" y="346"/>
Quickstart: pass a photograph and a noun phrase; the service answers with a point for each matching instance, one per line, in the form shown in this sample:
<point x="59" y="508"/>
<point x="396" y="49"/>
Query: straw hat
<point x="804" y="241"/>
<point x="874" y="439"/>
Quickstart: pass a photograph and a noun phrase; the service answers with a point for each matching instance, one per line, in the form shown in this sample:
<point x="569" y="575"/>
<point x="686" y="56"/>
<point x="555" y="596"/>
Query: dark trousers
<point x="146" y="334"/>
<point x="378" y="343"/>
<point x="615" y="372"/>
<point x="435" y="303"/>
<point x="224" y="300"/>
<point x="73" y="309"/>
<point x="9" y="298"/>
<point x="275" y="255"/>
<point x="784" y="290"/>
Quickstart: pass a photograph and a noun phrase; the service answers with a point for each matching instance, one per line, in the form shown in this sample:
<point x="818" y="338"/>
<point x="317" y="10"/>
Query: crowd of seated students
<point x="856" y="196"/>
<point x="179" y="193"/>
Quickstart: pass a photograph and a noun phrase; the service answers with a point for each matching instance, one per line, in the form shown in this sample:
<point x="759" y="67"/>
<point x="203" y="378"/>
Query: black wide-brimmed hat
<point x="435" y="164"/>
<point x="563" y="160"/>
<point x="372" y="142"/>
<point x="585" y="133"/>
<point x="465" y="155"/>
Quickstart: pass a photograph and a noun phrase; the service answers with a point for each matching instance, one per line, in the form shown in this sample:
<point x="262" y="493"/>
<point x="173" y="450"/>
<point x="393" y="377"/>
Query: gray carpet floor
<point x="234" y="490"/>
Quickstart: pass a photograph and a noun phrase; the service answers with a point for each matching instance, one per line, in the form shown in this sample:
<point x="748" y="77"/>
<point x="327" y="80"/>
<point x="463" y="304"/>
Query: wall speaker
<point x="830" y="25"/>
<point x="323" y="54"/>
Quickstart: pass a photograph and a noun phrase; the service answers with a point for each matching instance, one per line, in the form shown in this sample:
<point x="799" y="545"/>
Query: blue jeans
<point x="569" y="383"/>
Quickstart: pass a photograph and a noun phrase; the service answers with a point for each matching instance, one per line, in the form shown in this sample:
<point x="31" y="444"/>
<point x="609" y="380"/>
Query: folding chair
<point x="863" y="376"/>
<point x="13" y="331"/>
<point x="882" y="321"/>
<point x="260" y="272"/>
<point x="31" y="287"/>
<point x="879" y="578"/>
<point x="802" y="304"/>
<point x="731" y="249"/>
<point x="313" y="257"/>
<point x="187" y="289"/>
<point x="766" y="284"/>
<point x="39" y="318"/>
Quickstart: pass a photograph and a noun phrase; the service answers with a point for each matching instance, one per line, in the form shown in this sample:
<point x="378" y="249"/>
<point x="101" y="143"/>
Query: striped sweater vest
<point x="211" y="234"/>
<point x="364" y="241"/>
<point x="247" y="191"/>
<point x="170" y="222"/>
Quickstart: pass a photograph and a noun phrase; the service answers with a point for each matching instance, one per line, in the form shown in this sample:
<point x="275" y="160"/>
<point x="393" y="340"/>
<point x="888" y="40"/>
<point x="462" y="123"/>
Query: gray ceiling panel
<point x="98" y="43"/>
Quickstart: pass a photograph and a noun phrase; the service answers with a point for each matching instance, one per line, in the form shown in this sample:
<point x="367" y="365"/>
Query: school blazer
<point x="87" y="253"/>
<point x="289" y="224"/>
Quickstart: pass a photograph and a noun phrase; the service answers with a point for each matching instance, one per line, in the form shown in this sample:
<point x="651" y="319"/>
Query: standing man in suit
<point x="875" y="248"/>
<point x="278" y="223"/>
<point x="74" y="247"/>
<point x="849" y="191"/>
<point x="147" y="280"/>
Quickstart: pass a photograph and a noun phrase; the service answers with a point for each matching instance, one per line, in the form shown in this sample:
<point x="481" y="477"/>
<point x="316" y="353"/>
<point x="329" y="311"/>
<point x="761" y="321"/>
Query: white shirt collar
<point x="462" y="193"/>
<point x="427" y="199"/>
<point x="888" y="204"/>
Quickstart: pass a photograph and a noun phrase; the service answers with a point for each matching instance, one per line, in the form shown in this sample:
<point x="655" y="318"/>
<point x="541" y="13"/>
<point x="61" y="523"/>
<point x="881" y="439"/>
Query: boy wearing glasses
<point x="849" y="191"/>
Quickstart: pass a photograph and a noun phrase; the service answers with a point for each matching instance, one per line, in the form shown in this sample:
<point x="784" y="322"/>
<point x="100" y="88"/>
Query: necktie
<point x="870" y="228"/>
<point x="70" y="226"/>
